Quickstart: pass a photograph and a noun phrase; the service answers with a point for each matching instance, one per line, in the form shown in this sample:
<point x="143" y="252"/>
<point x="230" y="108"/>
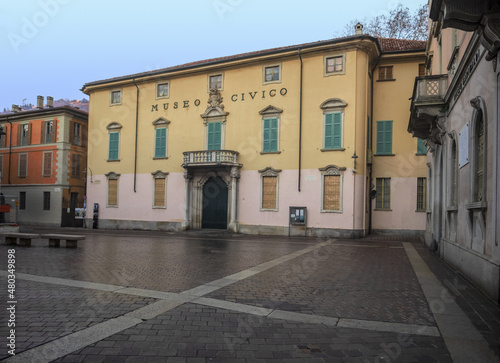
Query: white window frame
<point x="112" y="176"/>
<point x="280" y="68"/>
<point x="335" y="171"/>
<point x="156" y="89"/>
<point x="221" y="74"/>
<point x="269" y="172"/>
<point x="334" y="55"/>
<point x="159" y="175"/>
<point x="111" y="103"/>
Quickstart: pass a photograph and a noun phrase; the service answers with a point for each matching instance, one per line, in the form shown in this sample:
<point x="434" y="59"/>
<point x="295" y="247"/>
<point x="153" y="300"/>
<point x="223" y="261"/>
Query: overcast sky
<point x="53" y="47"/>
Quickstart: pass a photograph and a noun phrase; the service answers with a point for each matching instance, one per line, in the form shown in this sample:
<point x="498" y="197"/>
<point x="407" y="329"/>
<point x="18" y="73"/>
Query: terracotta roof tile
<point x="386" y="45"/>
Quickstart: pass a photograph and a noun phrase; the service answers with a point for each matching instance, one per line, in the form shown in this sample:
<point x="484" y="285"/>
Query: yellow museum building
<point x="309" y="138"/>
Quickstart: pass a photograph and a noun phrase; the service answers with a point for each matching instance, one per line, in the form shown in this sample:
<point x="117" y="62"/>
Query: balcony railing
<point x="430" y="89"/>
<point x="210" y="157"/>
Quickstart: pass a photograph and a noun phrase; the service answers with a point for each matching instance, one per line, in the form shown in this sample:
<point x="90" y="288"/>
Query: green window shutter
<point x="421" y="148"/>
<point x="161" y="143"/>
<point x="270" y="135"/>
<point x="384" y="137"/>
<point x="329" y="131"/>
<point x="337" y="130"/>
<point x="214" y="136"/>
<point x="114" y="138"/>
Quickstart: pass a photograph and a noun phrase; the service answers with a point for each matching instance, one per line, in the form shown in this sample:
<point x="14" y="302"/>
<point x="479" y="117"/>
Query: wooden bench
<point x="55" y="239"/>
<point x="24" y="238"/>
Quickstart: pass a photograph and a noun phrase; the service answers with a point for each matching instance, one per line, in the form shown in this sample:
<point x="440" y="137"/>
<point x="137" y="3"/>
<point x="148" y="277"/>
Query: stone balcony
<point x="210" y="158"/>
<point x="428" y="102"/>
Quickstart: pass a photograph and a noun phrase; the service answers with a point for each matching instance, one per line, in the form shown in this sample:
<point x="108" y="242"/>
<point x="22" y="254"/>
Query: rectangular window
<point x="272" y="74"/>
<point x="384" y="137"/>
<point x="421" y="148"/>
<point x="269" y="192"/>
<point x="333" y="130"/>
<point x="215" y="82"/>
<point x="163" y="90"/>
<point x="23" y="136"/>
<point x="270" y="135"/>
<point x="421" y="194"/>
<point x="3" y="138"/>
<point x="214" y="136"/>
<point x="116" y="97"/>
<point x="76" y="163"/>
<point x="46" y="200"/>
<point x="159" y="196"/>
<point x="161" y="143"/>
<point x="114" y="141"/>
<point x="331" y="192"/>
<point x="23" y="166"/>
<point x="47" y="164"/>
<point x="383" y="193"/>
<point x="112" y="192"/>
<point x="335" y="64"/>
<point x="421" y="70"/>
<point x="48" y="132"/>
<point x="385" y="73"/>
<point x="77" y="134"/>
<point x="22" y="200"/>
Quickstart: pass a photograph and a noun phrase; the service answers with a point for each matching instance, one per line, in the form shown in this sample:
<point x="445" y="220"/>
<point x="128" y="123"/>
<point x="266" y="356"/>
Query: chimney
<point x="39" y="102"/>
<point x="359" y="28"/>
<point x="15" y="108"/>
<point x="50" y="101"/>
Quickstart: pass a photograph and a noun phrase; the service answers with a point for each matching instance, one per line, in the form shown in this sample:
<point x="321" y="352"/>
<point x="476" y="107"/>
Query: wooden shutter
<point x="71" y="132"/>
<point x="83" y="135"/>
<point x="337" y="130"/>
<point x="214" y="136"/>
<point x="42" y="135"/>
<point x="114" y="138"/>
<point x="384" y="137"/>
<point x="54" y="131"/>
<point x="421" y="69"/>
<point x="331" y="192"/>
<point x="161" y="143"/>
<point x="270" y="135"/>
<point x="112" y="192"/>
<point x="159" y="192"/>
<point x="3" y="138"/>
<point x="23" y="165"/>
<point x="47" y="164"/>
<point x="269" y="188"/>
<point x="329" y="131"/>
<point x="19" y="132"/>
<point x="421" y="149"/>
<point x="28" y="136"/>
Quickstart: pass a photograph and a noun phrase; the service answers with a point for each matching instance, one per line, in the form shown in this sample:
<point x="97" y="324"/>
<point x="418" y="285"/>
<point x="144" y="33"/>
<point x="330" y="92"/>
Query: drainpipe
<point x="369" y="148"/>
<point x="10" y="146"/>
<point x="300" y="121"/>
<point x="136" y="131"/>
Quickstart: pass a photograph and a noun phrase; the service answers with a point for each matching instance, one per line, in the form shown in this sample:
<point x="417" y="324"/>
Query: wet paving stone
<point x="246" y="338"/>
<point x="45" y="312"/>
<point x="349" y="281"/>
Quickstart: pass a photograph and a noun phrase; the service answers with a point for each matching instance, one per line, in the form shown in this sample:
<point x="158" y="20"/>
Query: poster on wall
<point x="463" y="146"/>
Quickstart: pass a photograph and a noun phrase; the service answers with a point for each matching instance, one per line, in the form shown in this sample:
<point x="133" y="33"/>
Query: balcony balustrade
<point x="210" y="158"/>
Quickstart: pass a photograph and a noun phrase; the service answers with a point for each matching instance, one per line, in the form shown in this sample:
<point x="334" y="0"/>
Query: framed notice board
<point x="297" y="216"/>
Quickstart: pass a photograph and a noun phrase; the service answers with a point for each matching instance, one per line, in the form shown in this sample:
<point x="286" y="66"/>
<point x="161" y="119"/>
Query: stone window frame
<point x="111" y="92"/>
<point x="280" y="72"/>
<point x="424" y="194"/>
<point x="333" y="105"/>
<point x="159" y="175"/>
<point x="112" y="176"/>
<point x="479" y="115"/>
<point x="334" y="170"/>
<point x="271" y="112"/>
<point x="210" y="75"/>
<point x="269" y="172"/>
<point x="161" y="123"/>
<point x="452" y="172"/>
<point x="325" y="64"/>
<point x="114" y="127"/>
<point x="156" y="89"/>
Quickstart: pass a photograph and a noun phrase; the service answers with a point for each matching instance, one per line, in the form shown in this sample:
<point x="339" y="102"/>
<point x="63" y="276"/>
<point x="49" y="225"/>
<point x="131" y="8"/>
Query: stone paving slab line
<point x="462" y="339"/>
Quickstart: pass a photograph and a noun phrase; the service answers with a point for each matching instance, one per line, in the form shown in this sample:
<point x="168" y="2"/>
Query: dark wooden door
<point x="214" y="214"/>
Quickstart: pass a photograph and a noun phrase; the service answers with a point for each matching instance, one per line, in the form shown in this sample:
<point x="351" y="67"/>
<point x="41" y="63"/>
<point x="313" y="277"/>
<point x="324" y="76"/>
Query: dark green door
<point x="214" y="214"/>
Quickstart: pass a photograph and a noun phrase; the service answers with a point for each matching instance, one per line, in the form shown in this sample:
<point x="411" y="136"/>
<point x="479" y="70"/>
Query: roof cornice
<point x="36" y="113"/>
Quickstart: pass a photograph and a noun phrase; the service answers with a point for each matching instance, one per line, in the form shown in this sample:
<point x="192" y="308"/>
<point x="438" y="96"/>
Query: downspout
<point x="10" y="146"/>
<point x="300" y="121"/>
<point x="369" y="148"/>
<point x="136" y="130"/>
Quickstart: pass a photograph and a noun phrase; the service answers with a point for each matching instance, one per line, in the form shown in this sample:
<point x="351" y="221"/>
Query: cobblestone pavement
<point x="192" y="297"/>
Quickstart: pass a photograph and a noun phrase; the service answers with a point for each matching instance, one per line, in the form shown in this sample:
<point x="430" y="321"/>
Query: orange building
<point x="43" y="159"/>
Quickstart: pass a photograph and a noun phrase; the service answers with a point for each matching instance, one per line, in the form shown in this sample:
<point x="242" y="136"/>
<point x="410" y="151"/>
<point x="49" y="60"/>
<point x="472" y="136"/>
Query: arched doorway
<point x="214" y="213"/>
